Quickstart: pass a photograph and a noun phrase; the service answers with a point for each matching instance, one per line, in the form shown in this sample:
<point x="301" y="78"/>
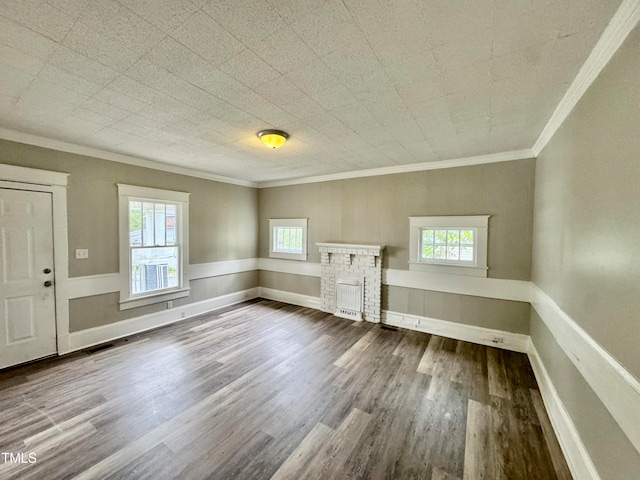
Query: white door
<point x="27" y="302"/>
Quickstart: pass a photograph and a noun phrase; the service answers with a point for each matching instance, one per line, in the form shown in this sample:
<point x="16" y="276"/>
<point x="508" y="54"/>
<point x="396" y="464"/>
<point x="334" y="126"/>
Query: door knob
<point x="48" y="283"/>
<point x="46" y="270"/>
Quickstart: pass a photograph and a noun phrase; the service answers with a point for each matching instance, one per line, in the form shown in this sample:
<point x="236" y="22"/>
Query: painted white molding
<point x="61" y="146"/>
<point x="290" y="297"/>
<point x="56" y="184"/>
<point x="91" y="285"/>
<point x="578" y="459"/>
<point x="14" y="173"/>
<point x="225" y="267"/>
<point x="615" y="386"/>
<point x="412" y="167"/>
<point x="289" y="266"/>
<point x="131" y="326"/>
<point x="502" y="289"/>
<point x="621" y="24"/>
<point x="517" y="342"/>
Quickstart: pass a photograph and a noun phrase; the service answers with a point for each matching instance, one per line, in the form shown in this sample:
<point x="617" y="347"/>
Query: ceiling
<point x="358" y="84"/>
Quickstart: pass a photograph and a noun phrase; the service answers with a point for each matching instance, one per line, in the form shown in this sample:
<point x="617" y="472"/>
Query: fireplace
<point x="351" y="280"/>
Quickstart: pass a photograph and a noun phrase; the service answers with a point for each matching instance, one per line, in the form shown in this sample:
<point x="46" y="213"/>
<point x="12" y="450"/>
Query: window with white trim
<point x="154" y="246"/>
<point x="453" y="244"/>
<point x="288" y="238"/>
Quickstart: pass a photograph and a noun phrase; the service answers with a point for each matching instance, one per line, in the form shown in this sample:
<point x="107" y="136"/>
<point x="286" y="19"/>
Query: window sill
<point x="289" y="256"/>
<point x="136" y="302"/>
<point x="450" y="269"/>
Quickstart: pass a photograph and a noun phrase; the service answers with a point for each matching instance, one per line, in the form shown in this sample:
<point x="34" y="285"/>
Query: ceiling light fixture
<point x="273" y="138"/>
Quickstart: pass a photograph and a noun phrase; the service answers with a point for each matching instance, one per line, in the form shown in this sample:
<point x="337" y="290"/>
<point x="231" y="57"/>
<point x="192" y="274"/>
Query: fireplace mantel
<point x="355" y="246"/>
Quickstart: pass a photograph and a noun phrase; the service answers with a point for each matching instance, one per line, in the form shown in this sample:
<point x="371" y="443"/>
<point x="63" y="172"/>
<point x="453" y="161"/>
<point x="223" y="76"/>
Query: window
<point x="449" y="244"/>
<point x="288" y="238"/>
<point x="154" y="227"/>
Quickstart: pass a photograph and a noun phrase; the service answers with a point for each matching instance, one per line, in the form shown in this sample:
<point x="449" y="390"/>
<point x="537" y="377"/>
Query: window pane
<point x="135" y="223"/>
<point x="172" y="223"/>
<point x="453" y="237"/>
<point x="453" y="252"/>
<point x="440" y="253"/>
<point x="466" y="237"/>
<point x="441" y="237"/>
<point x="427" y="251"/>
<point x="466" y="254"/>
<point x="154" y="269"/>
<point x="160" y="223"/>
<point x="287" y="239"/>
<point x="147" y="224"/>
<point x="427" y="237"/>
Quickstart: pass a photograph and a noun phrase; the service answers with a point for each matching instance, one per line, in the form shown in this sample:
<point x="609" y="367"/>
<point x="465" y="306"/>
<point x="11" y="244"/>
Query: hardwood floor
<point x="269" y="390"/>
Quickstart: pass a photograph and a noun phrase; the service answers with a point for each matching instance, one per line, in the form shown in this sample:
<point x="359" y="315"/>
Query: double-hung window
<point x="453" y="244"/>
<point x="288" y="238"/>
<point x="154" y="226"/>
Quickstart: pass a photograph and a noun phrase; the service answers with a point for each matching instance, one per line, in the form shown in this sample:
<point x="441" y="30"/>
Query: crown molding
<point x="62" y="146"/>
<point x="621" y="24"/>
<point x="412" y="167"/>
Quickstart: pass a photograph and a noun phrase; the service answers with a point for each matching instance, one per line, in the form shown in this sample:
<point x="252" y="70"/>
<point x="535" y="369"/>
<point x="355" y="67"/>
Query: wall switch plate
<point x="169" y="304"/>
<point x="82" y="253"/>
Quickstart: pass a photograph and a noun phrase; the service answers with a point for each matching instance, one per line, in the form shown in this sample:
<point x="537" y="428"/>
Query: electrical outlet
<point x="82" y="253"/>
<point x="169" y="304"/>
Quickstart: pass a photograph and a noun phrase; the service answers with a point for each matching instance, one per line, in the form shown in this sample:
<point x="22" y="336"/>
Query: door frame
<point x="22" y="178"/>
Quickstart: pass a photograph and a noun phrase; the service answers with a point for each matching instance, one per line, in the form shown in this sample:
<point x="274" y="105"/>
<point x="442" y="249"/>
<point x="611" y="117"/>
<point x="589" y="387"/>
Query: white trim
<point x="13" y="173"/>
<point x="449" y="221"/>
<point x="517" y="342"/>
<point x="91" y="285"/>
<point x="94" y="285"/>
<point x="616" y="387"/>
<point x="61" y="146"/>
<point x="375" y="248"/>
<point x="503" y="289"/>
<point x="578" y="459"/>
<point x="448" y="269"/>
<point x="290" y="297"/>
<point x="125" y="190"/>
<point x="131" y="326"/>
<point x="55" y="183"/>
<point x="621" y="24"/>
<point x="154" y="298"/>
<point x="285" y="266"/>
<point x="412" y="167"/>
<point x="225" y="267"/>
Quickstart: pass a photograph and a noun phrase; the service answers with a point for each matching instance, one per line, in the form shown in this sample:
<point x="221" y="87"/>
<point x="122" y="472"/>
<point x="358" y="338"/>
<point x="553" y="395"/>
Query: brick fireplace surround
<point x="360" y="264"/>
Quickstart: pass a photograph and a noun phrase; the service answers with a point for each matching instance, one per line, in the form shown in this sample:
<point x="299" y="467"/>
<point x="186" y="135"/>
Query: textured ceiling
<point x="358" y="84"/>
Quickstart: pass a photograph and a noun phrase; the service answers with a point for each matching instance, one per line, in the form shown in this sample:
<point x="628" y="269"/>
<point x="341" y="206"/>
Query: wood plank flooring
<point x="268" y="390"/>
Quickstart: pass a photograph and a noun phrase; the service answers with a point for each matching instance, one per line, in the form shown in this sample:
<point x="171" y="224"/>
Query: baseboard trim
<point x="578" y="459"/>
<point x="131" y="326"/>
<point x="516" y="342"/>
<point x="616" y="387"/>
<point x="290" y="297"/>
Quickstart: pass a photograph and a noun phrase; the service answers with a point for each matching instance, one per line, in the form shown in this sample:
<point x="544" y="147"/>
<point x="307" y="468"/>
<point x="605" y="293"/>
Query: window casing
<point x="453" y="244"/>
<point x="288" y="238"/>
<point x="154" y="245"/>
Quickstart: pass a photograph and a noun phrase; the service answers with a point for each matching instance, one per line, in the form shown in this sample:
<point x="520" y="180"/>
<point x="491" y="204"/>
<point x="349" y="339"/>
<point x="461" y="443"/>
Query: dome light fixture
<point x="273" y="138"/>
